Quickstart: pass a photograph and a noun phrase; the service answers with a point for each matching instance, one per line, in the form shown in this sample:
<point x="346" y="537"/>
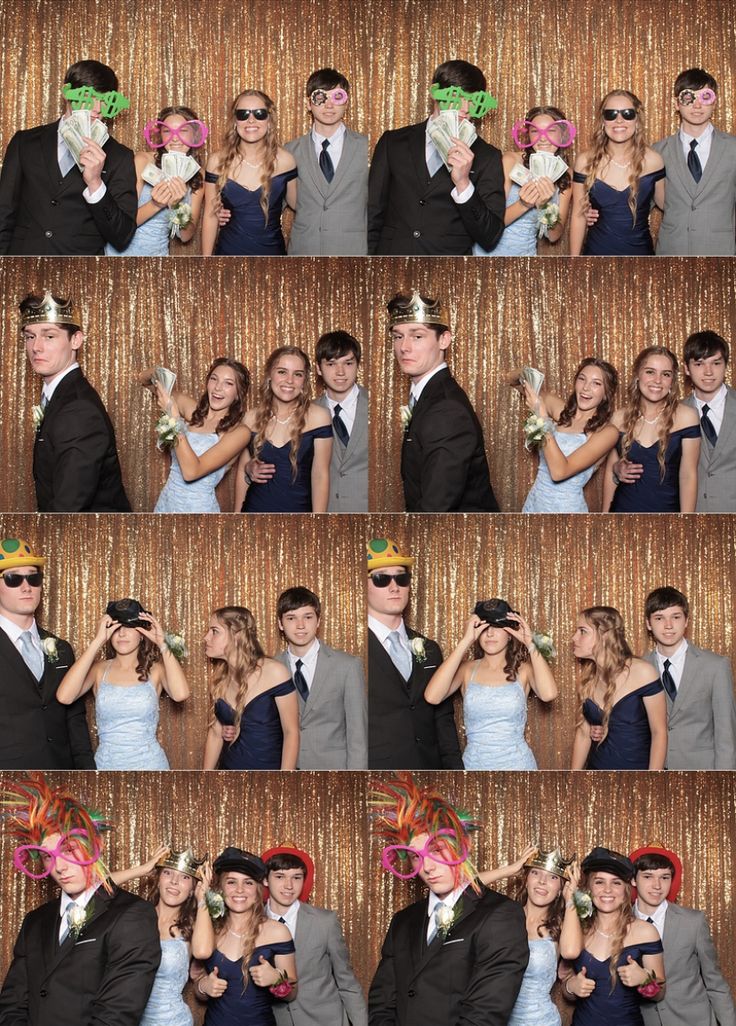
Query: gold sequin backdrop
<point x="532" y="52"/>
<point x="179" y="313"/>
<point x="210" y="811"/>
<point x="183" y="567"/>
<point x="549" y="568"/>
<point x="545" y="313"/>
<point x="690" y="813"/>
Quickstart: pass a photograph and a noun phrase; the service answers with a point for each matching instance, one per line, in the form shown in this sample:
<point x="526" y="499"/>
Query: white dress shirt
<point x="336" y="141"/>
<point x="289" y="916"/>
<point x="14" y="632"/>
<point x="417" y="387"/>
<point x="309" y="662"/>
<point x="450" y="901"/>
<point x="702" y="149"/>
<point x="348" y="407"/>
<point x="382" y="632"/>
<point x="657" y="916"/>
<point x="82" y="902"/>
<point x="677" y="662"/>
<point x="49" y="387"/>
<point x="716" y="407"/>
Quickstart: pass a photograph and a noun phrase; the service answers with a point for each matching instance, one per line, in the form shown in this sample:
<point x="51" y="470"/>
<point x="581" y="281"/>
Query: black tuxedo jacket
<point x="404" y="731"/>
<point x="443" y="459"/>
<point x="43" y="214"/>
<point x="104" y="976"/>
<point x="39" y="732"/>
<point x="75" y="459"/>
<point x="471" y="978"/>
<point x="411" y="214"/>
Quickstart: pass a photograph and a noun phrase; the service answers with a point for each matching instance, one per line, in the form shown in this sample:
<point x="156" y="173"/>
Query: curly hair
<point x="244" y="658"/>
<point x="256" y="919"/>
<point x="632" y="410"/>
<point x="148" y="654"/>
<point x="612" y="656"/>
<point x="618" y="936"/>
<point x="604" y="411"/>
<point x="265" y="411"/>
<point x="195" y="183"/>
<point x="236" y="411"/>
<point x="552" y="921"/>
<point x="184" y="922"/>
<point x="600" y="157"/>
<point x="232" y="157"/>
<point x="563" y="183"/>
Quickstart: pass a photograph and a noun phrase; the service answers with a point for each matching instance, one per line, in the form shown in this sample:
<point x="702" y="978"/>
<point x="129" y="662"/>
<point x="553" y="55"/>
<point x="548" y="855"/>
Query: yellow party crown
<point x="418" y="311"/>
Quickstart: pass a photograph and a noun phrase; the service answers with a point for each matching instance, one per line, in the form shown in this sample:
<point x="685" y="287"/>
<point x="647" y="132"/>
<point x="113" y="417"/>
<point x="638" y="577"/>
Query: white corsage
<point x="215" y="904"/>
<point x="544" y="645"/>
<point x="180" y="217"/>
<point x="176" y="645"/>
<point x="583" y="904"/>
<point x="536" y="428"/>
<point x="37" y="413"/>
<point x="50" y="648"/>
<point x="405" y="414"/>
<point x="168" y="430"/>
<point x="418" y="649"/>
<point x="548" y="217"/>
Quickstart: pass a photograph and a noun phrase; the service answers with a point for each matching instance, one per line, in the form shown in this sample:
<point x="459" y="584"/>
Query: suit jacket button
<point x="412" y="993"/>
<point x="43" y="993"/>
<point x="54" y="203"/>
<point x="44" y="708"/>
<point x="412" y="706"/>
<point x="422" y="202"/>
<point x="49" y="235"/>
<point x="417" y="235"/>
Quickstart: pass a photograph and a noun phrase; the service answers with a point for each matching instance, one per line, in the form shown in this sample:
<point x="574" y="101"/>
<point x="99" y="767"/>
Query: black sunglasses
<point x="383" y="580"/>
<point x="243" y="113"/>
<point x="15" y="580"/>
<point x="628" y="114"/>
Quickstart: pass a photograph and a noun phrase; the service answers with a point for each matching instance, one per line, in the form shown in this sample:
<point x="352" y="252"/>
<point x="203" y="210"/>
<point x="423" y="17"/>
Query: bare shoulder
<point x="250" y="419"/>
<point x="285" y="161"/>
<point x="273" y="932"/>
<point x="685" y="416"/>
<point x="617" y="420"/>
<point x="641" y="932"/>
<point x="273" y="672"/>
<point x="317" y="416"/>
<point x="582" y="161"/>
<point x="653" y="161"/>
<point x="142" y="158"/>
<point x="214" y="161"/>
<point x="509" y="159"/>
<point x="641" y="671"/>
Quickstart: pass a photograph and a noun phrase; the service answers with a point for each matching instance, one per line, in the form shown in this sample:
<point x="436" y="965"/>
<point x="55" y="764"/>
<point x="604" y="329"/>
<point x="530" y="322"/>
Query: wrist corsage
<point x="544" y="645"/>
<point x="651" y="986"/>
<point x="583" y="904"/>
<point x="215" y="904"/>
<point x="283" y="986"/>
<point x="168" y="430"/>
<point x="180" y="217"/>
<point x="176" y="645"/>
<point x="536" y="429"/>
<point x="549" y="216"/>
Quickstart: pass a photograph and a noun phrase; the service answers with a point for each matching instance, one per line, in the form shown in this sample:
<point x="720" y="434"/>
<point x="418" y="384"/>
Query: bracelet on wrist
<point x="567" y="989"/>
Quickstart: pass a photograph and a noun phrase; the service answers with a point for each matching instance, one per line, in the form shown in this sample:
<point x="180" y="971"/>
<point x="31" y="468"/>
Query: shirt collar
<point x="49" y="387"/>
<point x="382" y="631"/>
<point x="14" y="631"/>
<point x="450" y="900"/>
<point x="289" y="916"/>
<point x="677" y="656"/>
<point x="657" y="916"/>
<point x="82" y="901"/>
<point x="417" y="387"/>
<point x="336" y="136"/>
<point x="704" y="136"/>
<point x="309" y="657"/>
<point x="348" y="402"/>
<point x="718" y="398"/>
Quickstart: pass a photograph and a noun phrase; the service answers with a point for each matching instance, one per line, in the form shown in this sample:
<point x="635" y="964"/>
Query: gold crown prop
<point x="417" y="311"/>
<point x="551" y="862"/>
<point x="49" y="311"/>
<point x="183" y="862"/>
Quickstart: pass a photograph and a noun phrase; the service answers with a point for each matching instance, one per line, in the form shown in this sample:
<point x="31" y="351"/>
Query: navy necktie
<point x="693" y="162"/>
<point x="325" y="162"/>
<point x="707" y="425"/>
<point x="300" y="681"/>
<point x="338" y="426"/>
<point x="668" y="680"/>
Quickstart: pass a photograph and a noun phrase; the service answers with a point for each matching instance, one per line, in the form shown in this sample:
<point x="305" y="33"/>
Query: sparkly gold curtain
<point x="549" y="568"/>
<point x="181" y="313"/>
<point x="183" y="567"/>
<point x="210" y="811"/>
<point x="689" y="813"/>
<point x="544" y="313"/>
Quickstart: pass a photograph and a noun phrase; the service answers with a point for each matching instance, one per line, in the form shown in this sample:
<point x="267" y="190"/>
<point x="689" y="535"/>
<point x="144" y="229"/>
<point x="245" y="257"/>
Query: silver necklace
<point x="606" y="935"/>
<point x="236" y="934"/>
<point x="278" y="421"/>
<point x="622" y="166"/>
<point x="248" y="163"/>
<point x="642" y="417"/>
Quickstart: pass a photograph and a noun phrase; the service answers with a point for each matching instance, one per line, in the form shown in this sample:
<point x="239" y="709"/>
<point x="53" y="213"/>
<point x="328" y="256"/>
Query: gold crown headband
<point x="183" y="862"/>
<point x="417" y="311"/>
<point x="49" y="311"/>
<point x="551" y="862"/>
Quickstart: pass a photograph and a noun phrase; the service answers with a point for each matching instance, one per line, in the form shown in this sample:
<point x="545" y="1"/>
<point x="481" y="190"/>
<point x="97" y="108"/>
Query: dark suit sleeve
<point x="348" y="987"/>
<point x="448" y="437"/>
<point x="719" y="994"/>
<point x="133" y="956"/>
<point x="356" y="716"/>
<point x="382" y="993"/>
<point x="724" y="717"/>
<point x="379" y="184"/>
<point x="14" y="995"/>
<point x="80" y="438"/>
<point x="501" y="955"/>
<point x="10" y="188"/>
<point x="483" y="213"/>
<point x="115" y="213"/>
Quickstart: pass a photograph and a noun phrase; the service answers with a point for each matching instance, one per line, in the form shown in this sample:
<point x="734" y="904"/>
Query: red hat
<point x="285" y="849"/>
<point x="657" y="849"/>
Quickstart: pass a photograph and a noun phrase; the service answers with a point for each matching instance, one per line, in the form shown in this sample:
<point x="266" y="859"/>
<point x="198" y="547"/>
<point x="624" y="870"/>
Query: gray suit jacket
<point x="701" y="722"/>
<point x="717" y="464"/>
<point x="331" y="217"/>
<point x="349" y="464"/>
<point x="696" y="993"/>
<point x="333" y="721"/>
<point x="329" y="994"/>
<point x="699" y="216"/>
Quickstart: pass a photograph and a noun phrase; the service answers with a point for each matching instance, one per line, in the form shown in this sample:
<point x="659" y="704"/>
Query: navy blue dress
<point x="261" y="739"/>
<point x="281" y="494"/>
<point x="627" y="744"/>
<point x="246" y="234"/>
<point x="648" y="494"/>
<point x="615" y="233"/>
<point x="620" y="1007"/>
<point x="238" y="1007"/>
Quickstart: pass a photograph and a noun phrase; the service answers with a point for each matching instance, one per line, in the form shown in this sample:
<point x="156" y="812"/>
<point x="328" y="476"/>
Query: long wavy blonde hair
<point x="612" y="656"/>
<point x="632" y="410"/>
<point x="265" y="411"/>
<point x="232" y="158"/>
<point x="601" y="157"/>
<point x="244" y="657"/>
<point x="252" y="925"/>
<point x="620" y="929"/>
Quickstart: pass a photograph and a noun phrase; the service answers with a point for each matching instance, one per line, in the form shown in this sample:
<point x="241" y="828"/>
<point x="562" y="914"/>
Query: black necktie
<point x="693" y="162"/>
<point x="325" y="162"/>
<point x="300" y="682"/>
<point x="668" y="681"/>
<point x="282" y="920"/>
<point x="707" y="425"/>
<point x="649" y="920"/>
<point x="338" y="426"/>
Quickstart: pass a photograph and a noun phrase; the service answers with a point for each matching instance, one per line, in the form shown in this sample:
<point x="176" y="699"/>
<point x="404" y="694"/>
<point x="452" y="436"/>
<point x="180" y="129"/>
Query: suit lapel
<point x="689" y="683"/>
<point x="724" y="442"/>
<point x="418" y="151"/>
<point x="303" y="930"/>
<point x="467" y="901"/>
<point x="716" y="155"/>
<point x="99" y="901"/>
<point x="349" y="149"/>
<point x="17" y="662"/>
<point x="360" y="422"/>
<point x="49" y="148"/>
<point x="60" y="396"/>
<point x="378" y="655"/>
<point x="679" y="163"/>
<point x="318" y="179"/>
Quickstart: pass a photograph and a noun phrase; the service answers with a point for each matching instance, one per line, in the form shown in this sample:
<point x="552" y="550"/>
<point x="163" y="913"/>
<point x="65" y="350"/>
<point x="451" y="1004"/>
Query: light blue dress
<point x="180" y="496"/>
<point x="152" y="237"/>
<point x="534" y="1006"/>
<point x="166" y="1006"/>
<point x="127" y="721"/>
<point x="520" y="237"/>
<point x="495" y="721"/>
<point x="548" y="496"/>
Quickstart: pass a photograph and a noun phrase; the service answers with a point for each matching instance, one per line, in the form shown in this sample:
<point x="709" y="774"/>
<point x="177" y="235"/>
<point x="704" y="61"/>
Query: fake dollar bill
<point x="533" y="377"/>
<point x="541" y="165"/>
<point x="80" y="125"/>
<point x="448" y="125"/>
<point x="173" y="165"/>
<point x="164" y="377"/>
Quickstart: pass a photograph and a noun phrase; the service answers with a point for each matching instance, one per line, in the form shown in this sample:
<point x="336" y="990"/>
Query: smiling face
<point x="222" y="389"/>
<point x="239" y="891"/>
<point x="668" y="627"/>
<point x="542" y="888"/>
<point x="608" y="892"/>
<point x="620" y="130"/>
<point x="288" y="377"/>
<point x="656" y="377"/>
<point x="285" y="886"/>
<point x="339" y="375"/>
<point x="252" y="131"/>
<point x="174" y="887"/>
<point x="707" y="375"/>
<point x="217" y="640"/>
<point x="653" y="886"/>
<point x="584" y="640"/>
<point x="173" y="143"/>
<point x="419" y="348"/>
<point x="300" y="627"/>
<point x="541" y="143"/>
<point x="590" y="389"/>
<point x="51" y="348"/>
<point x="19" y="604"/>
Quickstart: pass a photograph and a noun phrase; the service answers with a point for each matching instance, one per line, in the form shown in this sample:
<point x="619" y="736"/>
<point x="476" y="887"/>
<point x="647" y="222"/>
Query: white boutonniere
<point x="445" y="918"/>
<point x="38" y="414"/>
<point x="77" y="918"/>
<point x="418" y="649"/>
<point x="50" y="648"/>
<point x="405" y="414"/>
